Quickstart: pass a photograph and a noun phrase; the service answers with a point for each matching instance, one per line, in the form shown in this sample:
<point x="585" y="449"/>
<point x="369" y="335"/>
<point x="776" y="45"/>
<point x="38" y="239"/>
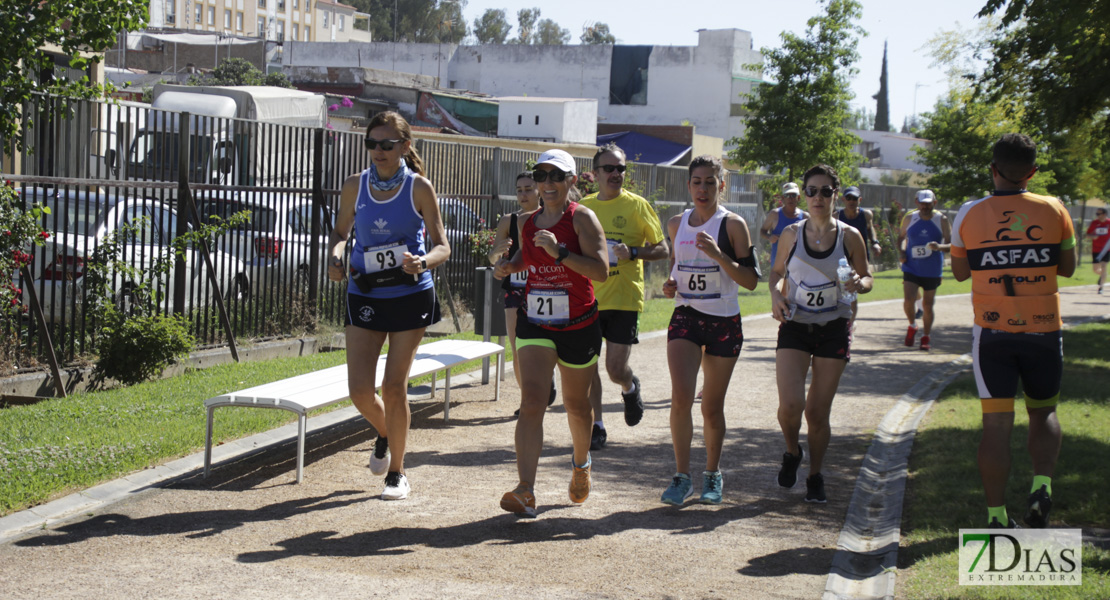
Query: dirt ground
<point x="251" y="532"/>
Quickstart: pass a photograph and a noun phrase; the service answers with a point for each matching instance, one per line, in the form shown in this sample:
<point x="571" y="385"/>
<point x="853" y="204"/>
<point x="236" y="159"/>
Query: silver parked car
<point x="80" y="221"/>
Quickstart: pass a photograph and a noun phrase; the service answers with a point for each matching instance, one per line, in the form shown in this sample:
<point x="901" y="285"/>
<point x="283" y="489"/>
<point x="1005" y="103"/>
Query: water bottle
<point x="844" y="274"/>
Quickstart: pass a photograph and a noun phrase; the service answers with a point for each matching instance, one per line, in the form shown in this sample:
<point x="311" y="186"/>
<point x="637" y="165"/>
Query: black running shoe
<point x="633" y="404"/>
<point x="788" y="474"/>
<point x="1040" y="503"/>
<point x="994" y="524"/>
<point x="815" y="489"/>
<point x="598" y="438"/>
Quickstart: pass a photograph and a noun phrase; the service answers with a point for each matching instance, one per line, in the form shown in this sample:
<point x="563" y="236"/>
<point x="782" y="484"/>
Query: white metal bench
<point x="306" y="392"/>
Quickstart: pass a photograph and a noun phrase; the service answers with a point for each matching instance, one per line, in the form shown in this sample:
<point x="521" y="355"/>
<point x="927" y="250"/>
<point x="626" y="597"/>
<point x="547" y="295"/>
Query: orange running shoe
<point x="580" y="482"/>
<point x="521" y="501"/>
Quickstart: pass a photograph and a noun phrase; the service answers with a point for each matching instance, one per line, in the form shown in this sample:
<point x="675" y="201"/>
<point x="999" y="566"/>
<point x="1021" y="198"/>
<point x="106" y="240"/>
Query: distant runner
<point x="780" y="217"/>
<point x="1099" y="231"/>
<point x="926" y="235"/>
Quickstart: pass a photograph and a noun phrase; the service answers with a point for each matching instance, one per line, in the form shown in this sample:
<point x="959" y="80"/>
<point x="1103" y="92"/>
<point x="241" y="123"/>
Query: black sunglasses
<point x="825" y="191"/>
<point x="386" y="145"/>
<point x="611" y="168"/>
<point x="556" y="175"/>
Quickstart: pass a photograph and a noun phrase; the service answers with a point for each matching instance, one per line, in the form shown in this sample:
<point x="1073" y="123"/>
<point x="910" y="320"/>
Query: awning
<point x="642" y="148"/>
<point x="135" y="40"/>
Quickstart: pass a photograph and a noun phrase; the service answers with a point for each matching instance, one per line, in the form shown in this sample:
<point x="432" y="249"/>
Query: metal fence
<point x="101" y="165"/>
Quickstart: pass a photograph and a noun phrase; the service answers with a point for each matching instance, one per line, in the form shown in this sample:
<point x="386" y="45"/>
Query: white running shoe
<point x="396" y="486"/>
<point x="379" y="458"/>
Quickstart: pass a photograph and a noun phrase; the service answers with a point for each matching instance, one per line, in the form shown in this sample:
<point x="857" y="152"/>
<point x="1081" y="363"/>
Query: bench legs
<point x="302" y="423"/>
<point x="446" y="394"/>
<point x="208" y="443"/>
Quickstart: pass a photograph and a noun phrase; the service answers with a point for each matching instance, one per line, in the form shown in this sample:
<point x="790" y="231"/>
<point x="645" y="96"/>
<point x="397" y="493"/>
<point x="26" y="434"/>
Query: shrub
<point x="134" y="349"/>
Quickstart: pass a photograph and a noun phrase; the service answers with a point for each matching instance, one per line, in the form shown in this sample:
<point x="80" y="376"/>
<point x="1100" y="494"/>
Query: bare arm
<point x="779" y="307"/>
<point x="737" y="230"/>
<point x="670" y="286"/>
<point x="902" y="238"/>
<point x="946" y="231"/>
<point x="769" y="224"/>
<point x="874" y="241"/>
<point x="501" y="241"/>
<point x="344" y="221"/>
<point x="1068" y="258"/>
<point x="424" y="197"/>
<point x="594" y="260"/>
<point x="861" y="281"/>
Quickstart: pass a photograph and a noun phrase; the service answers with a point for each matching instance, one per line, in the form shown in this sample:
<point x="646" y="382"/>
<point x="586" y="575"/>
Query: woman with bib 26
<point x="563" y="249"/>
<point x="811" y="303"/>
<point x="390" y="207"/>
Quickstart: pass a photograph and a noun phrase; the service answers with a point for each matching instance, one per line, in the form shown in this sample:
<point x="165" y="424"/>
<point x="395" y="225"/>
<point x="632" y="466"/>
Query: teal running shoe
<point x="680" y="489"/>
<point x="712" y="487"/>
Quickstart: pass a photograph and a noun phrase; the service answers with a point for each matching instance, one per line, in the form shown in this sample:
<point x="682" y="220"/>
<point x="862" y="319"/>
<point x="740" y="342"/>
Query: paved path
<point x="250" y="532"/>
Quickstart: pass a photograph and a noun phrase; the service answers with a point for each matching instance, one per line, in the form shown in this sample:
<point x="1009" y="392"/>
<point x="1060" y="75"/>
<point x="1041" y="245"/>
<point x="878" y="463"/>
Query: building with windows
<point x="272" y="20"/>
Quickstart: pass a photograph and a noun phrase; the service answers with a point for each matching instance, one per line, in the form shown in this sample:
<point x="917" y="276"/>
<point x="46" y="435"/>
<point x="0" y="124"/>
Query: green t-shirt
<point x="626" y="219"/>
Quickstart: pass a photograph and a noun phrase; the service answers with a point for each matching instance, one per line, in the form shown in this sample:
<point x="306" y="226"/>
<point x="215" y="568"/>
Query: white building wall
<point x="580" y="122"/>
<point x="699" y="84"/>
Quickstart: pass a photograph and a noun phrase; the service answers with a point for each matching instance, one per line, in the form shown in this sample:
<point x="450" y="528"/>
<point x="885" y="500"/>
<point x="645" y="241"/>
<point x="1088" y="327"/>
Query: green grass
<point x="945" y="492"/>
<point x="888" y="286"/>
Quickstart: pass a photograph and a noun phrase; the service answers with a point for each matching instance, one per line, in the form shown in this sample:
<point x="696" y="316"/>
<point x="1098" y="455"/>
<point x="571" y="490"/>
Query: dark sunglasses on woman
<point x="825" y="191"/>
<point x="556" y="175"/>
<point x="386" y="145"/>
<point x="611" y="168"/>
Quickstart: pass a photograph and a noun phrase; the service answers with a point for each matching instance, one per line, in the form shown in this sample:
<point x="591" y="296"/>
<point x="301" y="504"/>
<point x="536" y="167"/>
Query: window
<point x="537" y="119"/>
<point x="227" y="19"/>
<point x="307" y="34"/>
<point x="325" y="19"/>
<point x="296" y="4"/>
<point x="200" y="15"/>
<point x="628" y="75"/>
<point x="342" y="18"/>
<point x="281" y="30"/>
<point x="296" y="32"/>
<point x="238" y="21"/>
<point x="261" y="24"/>
<point x="281" y="5"/>
<point x="307" y="5"/>
<point x="212" y="15"/>
<point x="261" y="3"/>
<point x="520" y="119"/>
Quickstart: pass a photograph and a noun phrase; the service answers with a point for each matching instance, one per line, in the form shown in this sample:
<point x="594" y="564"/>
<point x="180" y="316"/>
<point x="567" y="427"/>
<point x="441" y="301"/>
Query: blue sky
<point x="905" y="26"/>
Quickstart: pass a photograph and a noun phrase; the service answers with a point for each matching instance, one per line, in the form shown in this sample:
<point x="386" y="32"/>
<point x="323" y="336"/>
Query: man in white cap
<point x="927" y="235"/>
<point x="781" y="217"/>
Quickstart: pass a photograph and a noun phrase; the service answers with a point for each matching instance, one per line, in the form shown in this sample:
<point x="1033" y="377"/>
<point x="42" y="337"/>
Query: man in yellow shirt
<point x="632" y="234"/>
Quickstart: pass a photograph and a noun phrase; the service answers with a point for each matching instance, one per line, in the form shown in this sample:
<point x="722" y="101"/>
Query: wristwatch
<point x="424" y="264"/>
<point x="563" y="254"/>
<point x="634" y="253"/>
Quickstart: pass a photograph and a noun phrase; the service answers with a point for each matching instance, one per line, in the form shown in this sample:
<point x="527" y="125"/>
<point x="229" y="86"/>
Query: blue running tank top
<point x="920" y="260"/>
<point x="781" y="223"/>
<point x="384" y="231"/>
<point x="860" y="223"/>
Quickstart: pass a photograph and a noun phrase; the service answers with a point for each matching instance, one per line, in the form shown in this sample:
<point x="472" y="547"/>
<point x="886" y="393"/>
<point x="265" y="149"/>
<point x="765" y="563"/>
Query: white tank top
<point x="702" y="284"/>
<point x="813" y="290"/>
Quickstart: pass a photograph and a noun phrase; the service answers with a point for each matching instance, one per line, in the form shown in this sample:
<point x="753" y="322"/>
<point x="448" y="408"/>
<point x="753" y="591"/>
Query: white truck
<point x="236" y="133"/>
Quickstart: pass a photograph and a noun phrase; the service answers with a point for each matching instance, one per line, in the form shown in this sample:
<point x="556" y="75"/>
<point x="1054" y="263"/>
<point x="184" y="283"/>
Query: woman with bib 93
<point x="815" y="314"/>
<point x="563" y="249"/>
<point x="390" y="207"/>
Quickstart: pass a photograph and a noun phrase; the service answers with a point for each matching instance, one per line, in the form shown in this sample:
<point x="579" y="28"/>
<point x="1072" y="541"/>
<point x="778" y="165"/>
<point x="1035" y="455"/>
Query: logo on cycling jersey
<point x="1017" y="321"/>
<point x="1014" y="227"/>
<point x="619" y="221"/>
<point x="1026" y="256"/>
<point x="991" y="317"/>
<point x="1037" y="279"/>
<point x="1048" y="318"/>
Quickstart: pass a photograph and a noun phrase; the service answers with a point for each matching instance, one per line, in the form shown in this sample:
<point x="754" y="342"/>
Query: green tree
<point x="882" y="100"/>
<point x="597" y="33"/>
<point x="798" y="121"/>
<point x="72" y="28"/>
<point x="526" y="19"/>
<point x="1049" y="58"/>
<point x="422" y="21"/>
<point x="548" y="33"/>
<point x="492" y="27"/>
<point x="238" y="71"/>
<point x="861" y="118"/>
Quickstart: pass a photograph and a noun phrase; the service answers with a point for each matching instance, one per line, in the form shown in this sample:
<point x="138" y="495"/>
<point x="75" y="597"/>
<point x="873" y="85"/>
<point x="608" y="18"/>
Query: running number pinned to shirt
<point x="381" y="258"/>
<point x="1100" y="231"/>
<point x="612" y="253"/>
<point x="549" y="307"/>
<point x="519" y="279"/>
<point x="921" y="251"/>
<point x="816" y="299"/>
<point x="699" y="282"/>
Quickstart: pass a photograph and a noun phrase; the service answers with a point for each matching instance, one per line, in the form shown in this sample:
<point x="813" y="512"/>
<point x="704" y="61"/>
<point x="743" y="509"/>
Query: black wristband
<point x="563" y="254"/>
<point x="634" y="253"/>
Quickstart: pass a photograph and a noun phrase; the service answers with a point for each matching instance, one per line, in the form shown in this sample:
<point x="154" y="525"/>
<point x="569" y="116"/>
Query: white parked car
<point x="78" y="222"/>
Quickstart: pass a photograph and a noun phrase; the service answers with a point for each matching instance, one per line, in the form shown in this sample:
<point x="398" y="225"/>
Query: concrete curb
<point x="866" y="559"/>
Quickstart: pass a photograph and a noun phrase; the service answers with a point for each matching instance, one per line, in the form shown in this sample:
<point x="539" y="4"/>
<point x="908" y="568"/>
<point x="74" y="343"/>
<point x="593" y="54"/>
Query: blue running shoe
<point x="712" y="487"/>
<point x="680" y="489"/>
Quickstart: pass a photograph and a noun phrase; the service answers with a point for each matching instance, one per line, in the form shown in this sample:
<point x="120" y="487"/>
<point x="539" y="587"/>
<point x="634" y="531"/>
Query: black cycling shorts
<point x="414" y="311"/>
<point x="620" y="326"/>
<point x="827" y="340"/>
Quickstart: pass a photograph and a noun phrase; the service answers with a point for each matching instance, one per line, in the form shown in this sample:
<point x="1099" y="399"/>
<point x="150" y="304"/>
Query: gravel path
<point x="251" y="532"/>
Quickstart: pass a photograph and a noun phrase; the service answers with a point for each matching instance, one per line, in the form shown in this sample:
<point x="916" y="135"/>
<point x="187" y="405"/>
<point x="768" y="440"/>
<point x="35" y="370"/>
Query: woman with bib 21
<point x="711" y="257"/>
<point x="563" y="248"/>
<point x="815" y="314"/>
<point x="390" y="296"/>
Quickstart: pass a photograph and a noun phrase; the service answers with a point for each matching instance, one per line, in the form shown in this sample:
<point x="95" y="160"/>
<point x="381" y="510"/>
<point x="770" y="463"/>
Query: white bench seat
<point x="303" y="393"/>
